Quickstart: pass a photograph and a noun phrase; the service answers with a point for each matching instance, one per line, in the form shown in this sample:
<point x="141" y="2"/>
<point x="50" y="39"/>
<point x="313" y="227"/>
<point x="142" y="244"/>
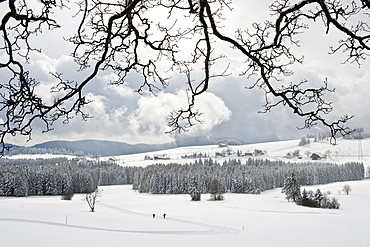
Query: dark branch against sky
<point x="211" y="98"/>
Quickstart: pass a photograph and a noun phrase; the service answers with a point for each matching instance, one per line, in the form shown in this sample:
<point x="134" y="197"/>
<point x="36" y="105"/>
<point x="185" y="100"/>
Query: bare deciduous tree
<point x="126" y="37"/>
<point x="346" y="189"/>
<point x="91" y="198"/>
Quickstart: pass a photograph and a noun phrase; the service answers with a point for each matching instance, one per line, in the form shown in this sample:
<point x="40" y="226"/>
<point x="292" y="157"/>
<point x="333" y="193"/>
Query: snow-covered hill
<point x="344" y="151"/>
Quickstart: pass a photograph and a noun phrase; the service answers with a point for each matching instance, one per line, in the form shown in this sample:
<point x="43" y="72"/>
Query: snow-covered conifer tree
<point x="318" y="196"/>
<point x="304" y="194"/>
<point x="216" y="190"/>
<point x="291" y="189"/>
<point x="20" y="185"/>
<point x="194" y="190"/>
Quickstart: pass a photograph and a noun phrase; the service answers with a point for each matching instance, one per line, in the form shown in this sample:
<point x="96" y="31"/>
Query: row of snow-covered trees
<point x="55" y="176"/>
<point x="252" y="177"/>
<point x="14" y="150"/>
<point x="356" y="133"/>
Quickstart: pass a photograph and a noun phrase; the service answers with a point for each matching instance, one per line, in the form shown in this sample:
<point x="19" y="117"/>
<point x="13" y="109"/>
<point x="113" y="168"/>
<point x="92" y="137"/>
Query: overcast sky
<point x="230" y="110"/>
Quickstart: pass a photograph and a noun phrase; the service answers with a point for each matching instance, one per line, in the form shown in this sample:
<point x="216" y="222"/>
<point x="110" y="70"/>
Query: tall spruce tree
<point x="194" y="190"/>
<point x="216" y="190"/>
<point x="291" y="189"/>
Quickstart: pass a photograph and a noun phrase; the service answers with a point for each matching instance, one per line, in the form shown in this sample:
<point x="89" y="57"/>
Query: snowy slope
<point x="344" y="151"/>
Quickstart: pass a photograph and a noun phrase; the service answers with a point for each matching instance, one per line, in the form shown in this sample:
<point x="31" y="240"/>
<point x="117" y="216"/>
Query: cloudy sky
<point x="230" y="110"/>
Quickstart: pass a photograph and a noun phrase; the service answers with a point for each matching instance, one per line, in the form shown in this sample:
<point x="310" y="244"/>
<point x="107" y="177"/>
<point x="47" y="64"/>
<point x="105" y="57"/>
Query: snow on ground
<point x="124" y="218"/>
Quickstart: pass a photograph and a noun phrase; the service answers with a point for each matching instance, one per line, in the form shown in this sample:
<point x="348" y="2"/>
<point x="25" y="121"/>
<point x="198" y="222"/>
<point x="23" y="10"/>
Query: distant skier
<point x="153" y="216"/>
<point x="164" y="216"/>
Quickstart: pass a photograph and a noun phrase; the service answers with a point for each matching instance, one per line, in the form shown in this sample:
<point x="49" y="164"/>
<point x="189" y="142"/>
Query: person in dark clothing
<point x="164" y="216"/>
<point x="153" y="216"/>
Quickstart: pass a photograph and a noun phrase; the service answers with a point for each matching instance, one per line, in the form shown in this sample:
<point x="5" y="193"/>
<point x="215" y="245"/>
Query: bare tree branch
<point x="112" y="35"/>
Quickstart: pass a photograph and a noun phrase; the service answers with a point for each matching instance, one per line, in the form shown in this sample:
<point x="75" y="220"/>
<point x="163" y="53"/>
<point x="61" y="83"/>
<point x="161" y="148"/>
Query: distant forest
<point x="25" y="177"/>
<point x="55" y="176"/>
<point x="15" y="150"/>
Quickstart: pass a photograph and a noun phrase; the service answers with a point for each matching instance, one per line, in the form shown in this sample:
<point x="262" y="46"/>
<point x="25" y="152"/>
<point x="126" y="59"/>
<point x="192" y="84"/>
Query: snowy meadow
<point x="124" y="217"/>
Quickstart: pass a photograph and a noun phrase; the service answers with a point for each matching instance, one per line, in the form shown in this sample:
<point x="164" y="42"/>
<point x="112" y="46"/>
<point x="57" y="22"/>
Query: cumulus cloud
<point x="151" y="116"/>
<point x="144" y="121"/>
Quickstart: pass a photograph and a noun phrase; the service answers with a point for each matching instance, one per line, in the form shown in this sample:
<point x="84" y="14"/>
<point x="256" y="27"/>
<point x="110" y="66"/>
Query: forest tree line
<point x="56" y="176"/>
<point x="25" y="177"/>
<point x="252" y="177"/>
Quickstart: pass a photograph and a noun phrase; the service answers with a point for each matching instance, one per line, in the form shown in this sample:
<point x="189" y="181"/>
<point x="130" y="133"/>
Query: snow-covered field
<point x="124" y="218"/>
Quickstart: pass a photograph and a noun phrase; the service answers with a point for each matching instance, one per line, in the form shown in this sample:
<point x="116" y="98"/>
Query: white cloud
<point x="147" y="123"/>
<point x="151" y="116"/>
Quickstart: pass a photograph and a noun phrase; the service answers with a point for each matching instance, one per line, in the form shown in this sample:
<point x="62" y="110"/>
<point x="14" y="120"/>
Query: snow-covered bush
<point x="331" y="203"/>
<point x="307" y="202"/>
<point x="68" y="194"/>
<point x="335" y="203"/>
<point x="195" y="195"/>
<point x="319" y="200"/>
<point x="307" y="199"/>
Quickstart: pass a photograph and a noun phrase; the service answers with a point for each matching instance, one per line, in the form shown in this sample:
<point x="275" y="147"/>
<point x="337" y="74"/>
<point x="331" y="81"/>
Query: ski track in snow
<point x="212" y="229"/>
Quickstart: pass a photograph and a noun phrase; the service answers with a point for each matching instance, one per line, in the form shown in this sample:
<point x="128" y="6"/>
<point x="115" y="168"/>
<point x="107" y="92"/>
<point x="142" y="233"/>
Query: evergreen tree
<point x="304" y="141"/>
<point x="318" y="196"/>
<point x="291" y="189"/>
<point x="216" y="190"/>
<point x="20" y="185"/>
<point x="304" y="194"/>
<point x="237" y="186"/>
<point x="194" y="190"/>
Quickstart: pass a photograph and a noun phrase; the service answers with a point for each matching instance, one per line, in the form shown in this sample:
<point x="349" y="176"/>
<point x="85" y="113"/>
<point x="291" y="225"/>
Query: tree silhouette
<point x="91" y="198"/>
<point x="150" y="37"/>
